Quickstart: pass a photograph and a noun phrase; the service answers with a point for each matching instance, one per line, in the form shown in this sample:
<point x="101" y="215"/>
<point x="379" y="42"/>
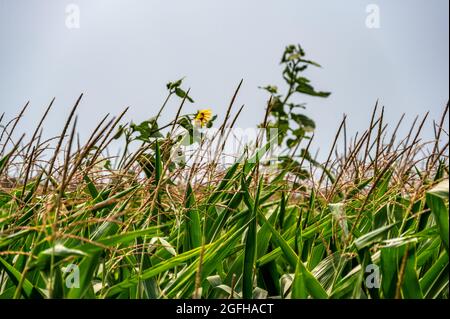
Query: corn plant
<point x="371" y="221"/>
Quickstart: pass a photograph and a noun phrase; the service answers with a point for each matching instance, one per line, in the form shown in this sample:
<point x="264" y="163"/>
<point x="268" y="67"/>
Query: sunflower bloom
<point x="203" y="117"/>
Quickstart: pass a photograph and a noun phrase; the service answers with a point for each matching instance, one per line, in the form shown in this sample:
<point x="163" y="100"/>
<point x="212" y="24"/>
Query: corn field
<point x="371" y="221"/>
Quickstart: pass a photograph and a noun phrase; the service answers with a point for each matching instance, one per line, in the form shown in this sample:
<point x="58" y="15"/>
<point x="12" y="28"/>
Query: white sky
<point x="125" y="52"/>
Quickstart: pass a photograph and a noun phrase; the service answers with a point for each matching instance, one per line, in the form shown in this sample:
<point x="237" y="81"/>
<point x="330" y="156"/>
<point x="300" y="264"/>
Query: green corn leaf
<point x="27" y="288"/>
<point x="435" y="200"/>
<point x="193" y="227"/>
<point x="250" y="248"/>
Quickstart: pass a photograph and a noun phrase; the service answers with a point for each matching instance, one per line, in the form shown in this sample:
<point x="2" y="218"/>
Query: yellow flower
<point x="203" y="117"/>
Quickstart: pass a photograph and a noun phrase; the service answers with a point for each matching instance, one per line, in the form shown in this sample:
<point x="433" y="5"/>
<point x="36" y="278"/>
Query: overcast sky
<point x="124" y="52"/>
